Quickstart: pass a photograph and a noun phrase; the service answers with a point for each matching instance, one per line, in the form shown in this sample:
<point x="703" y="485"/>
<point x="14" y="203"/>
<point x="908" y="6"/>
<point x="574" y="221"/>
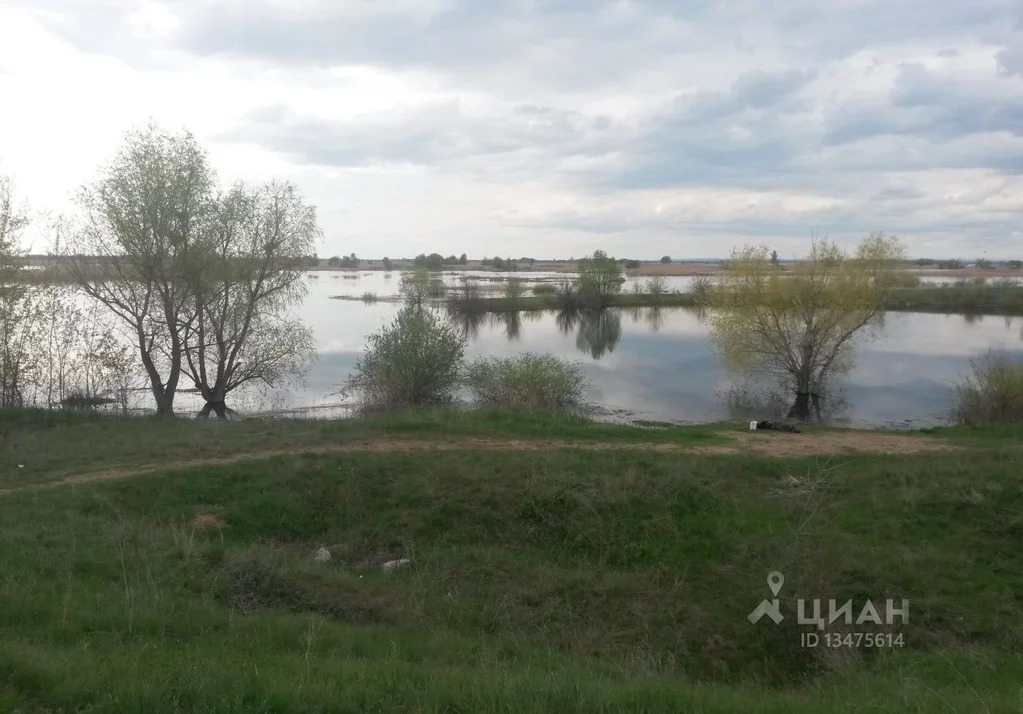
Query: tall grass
<point x="993" y="393"/>
<point x="527" y="382"/>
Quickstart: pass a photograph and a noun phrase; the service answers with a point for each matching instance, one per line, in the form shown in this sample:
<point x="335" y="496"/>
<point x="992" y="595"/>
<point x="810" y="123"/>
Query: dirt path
<point x="779" y="445"/>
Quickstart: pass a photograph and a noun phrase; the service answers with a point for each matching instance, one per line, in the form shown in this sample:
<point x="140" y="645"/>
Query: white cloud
<point x="553" y="126"/>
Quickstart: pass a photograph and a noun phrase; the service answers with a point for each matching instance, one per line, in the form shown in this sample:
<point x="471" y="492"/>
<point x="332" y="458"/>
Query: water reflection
<point x="599" y="332"/>
<point x="659" y="364"/>
<point x="468" y="322"/>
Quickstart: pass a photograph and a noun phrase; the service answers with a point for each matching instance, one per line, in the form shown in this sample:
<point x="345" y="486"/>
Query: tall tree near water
<point x="144" y="221"/>
<point x="800" y="326"/>
<point x="246" y="280"/>
<point x="202" y="280"/>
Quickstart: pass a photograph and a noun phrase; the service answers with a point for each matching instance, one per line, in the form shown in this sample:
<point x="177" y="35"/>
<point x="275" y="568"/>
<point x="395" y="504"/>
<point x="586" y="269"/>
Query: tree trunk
<point x="801" y="408"/>
<point x="215" y="403"/>
<point x="164" y="404"/>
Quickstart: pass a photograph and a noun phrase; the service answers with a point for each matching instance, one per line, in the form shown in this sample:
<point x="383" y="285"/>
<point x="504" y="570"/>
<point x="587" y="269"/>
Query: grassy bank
<point x="543" y="579"/>
<point x="968" y="298"/>
<point x="554" y="302"/>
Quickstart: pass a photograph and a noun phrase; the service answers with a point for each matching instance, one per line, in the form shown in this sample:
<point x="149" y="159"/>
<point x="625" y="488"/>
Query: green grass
<point x="560" y="580"/>
<point x="37" y="446"/>
<point x="966" y="297"/>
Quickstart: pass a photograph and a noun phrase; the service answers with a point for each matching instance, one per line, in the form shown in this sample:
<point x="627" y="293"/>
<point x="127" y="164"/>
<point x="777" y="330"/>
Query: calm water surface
<point x="659" y="364"/>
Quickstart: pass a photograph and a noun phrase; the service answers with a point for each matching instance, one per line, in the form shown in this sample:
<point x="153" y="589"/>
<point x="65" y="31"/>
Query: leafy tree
<point x="415" y="285"/>
<point x="600" y="277"/>
<point x="144" y="223"/>
<point x="462" y="259"/>
<point x="386" y="263"/>
<point x="800" y="327"/>
<point x="665" y="259"/>
<point x="241" y="290"/>
<point x="196" y="276"/>
<point x="774" y="257"/>
<point x="631" y="264"/>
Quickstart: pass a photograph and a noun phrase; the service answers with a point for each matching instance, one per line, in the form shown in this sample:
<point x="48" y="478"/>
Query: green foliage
<point x="702" y="289"/>
<point x="386" y="263"/>
<point x="528" y="382"/>
<point x="545" y="289"/>
<point x="798" y="327"/>
<point x="656" y="286"/>
<point x="415" y="285"/>
<point x="513" y="289"/>
<point x="600" y="277"/>
<point x="413" y="361"/>
<point x="993" y="393"/>
<point x="433" y="261"/>
<point x="965" y="296"/>
<point x="665" y="259"/>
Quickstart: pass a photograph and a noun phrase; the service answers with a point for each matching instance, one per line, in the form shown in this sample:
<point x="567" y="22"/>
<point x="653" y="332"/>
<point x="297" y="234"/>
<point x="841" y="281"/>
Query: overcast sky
<point x="549" y="127"/>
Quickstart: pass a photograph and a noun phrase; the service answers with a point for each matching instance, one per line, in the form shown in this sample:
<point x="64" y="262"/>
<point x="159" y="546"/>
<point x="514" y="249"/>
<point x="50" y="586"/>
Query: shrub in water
<point x="528" y="382"/>
<point x="414" y="360"/>
<point x="993" y="394"/>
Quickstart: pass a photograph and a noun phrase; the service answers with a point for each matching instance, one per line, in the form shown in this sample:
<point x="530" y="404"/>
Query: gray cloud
<point x="430" y="135"/>
<point x="622" y="98"/>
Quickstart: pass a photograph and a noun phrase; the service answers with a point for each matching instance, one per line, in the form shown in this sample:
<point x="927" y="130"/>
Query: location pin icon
<point x="774" y="581"/>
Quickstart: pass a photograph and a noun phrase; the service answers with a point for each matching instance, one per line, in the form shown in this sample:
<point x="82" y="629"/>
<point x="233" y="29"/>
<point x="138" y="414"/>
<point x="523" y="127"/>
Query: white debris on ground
<point x="391" y="565"/>
<point x="322" y="555"/>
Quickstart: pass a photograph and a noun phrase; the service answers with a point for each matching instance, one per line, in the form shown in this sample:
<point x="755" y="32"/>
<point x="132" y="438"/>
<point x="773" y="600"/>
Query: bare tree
<point x="144" y="221"/>
<point x="241" y="288"/>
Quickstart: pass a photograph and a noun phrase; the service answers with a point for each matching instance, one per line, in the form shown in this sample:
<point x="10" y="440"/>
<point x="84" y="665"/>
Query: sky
<point x="547" y="128"/>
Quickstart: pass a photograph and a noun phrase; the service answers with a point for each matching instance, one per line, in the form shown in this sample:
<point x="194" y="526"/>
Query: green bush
<point x="993" y="393"/>
<point x="513" y="289"/>
<point x="414" y="360"/>
<point x="657" y="285"/>
<point x="528" y="382"/>
<point x="544" y="289"/>
<point x="600" y="277"/>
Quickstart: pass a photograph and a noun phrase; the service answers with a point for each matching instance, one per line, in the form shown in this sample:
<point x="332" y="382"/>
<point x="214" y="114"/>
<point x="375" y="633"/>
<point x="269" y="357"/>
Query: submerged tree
<point x="241" y="286"/>
<point x="800" y="326"/>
